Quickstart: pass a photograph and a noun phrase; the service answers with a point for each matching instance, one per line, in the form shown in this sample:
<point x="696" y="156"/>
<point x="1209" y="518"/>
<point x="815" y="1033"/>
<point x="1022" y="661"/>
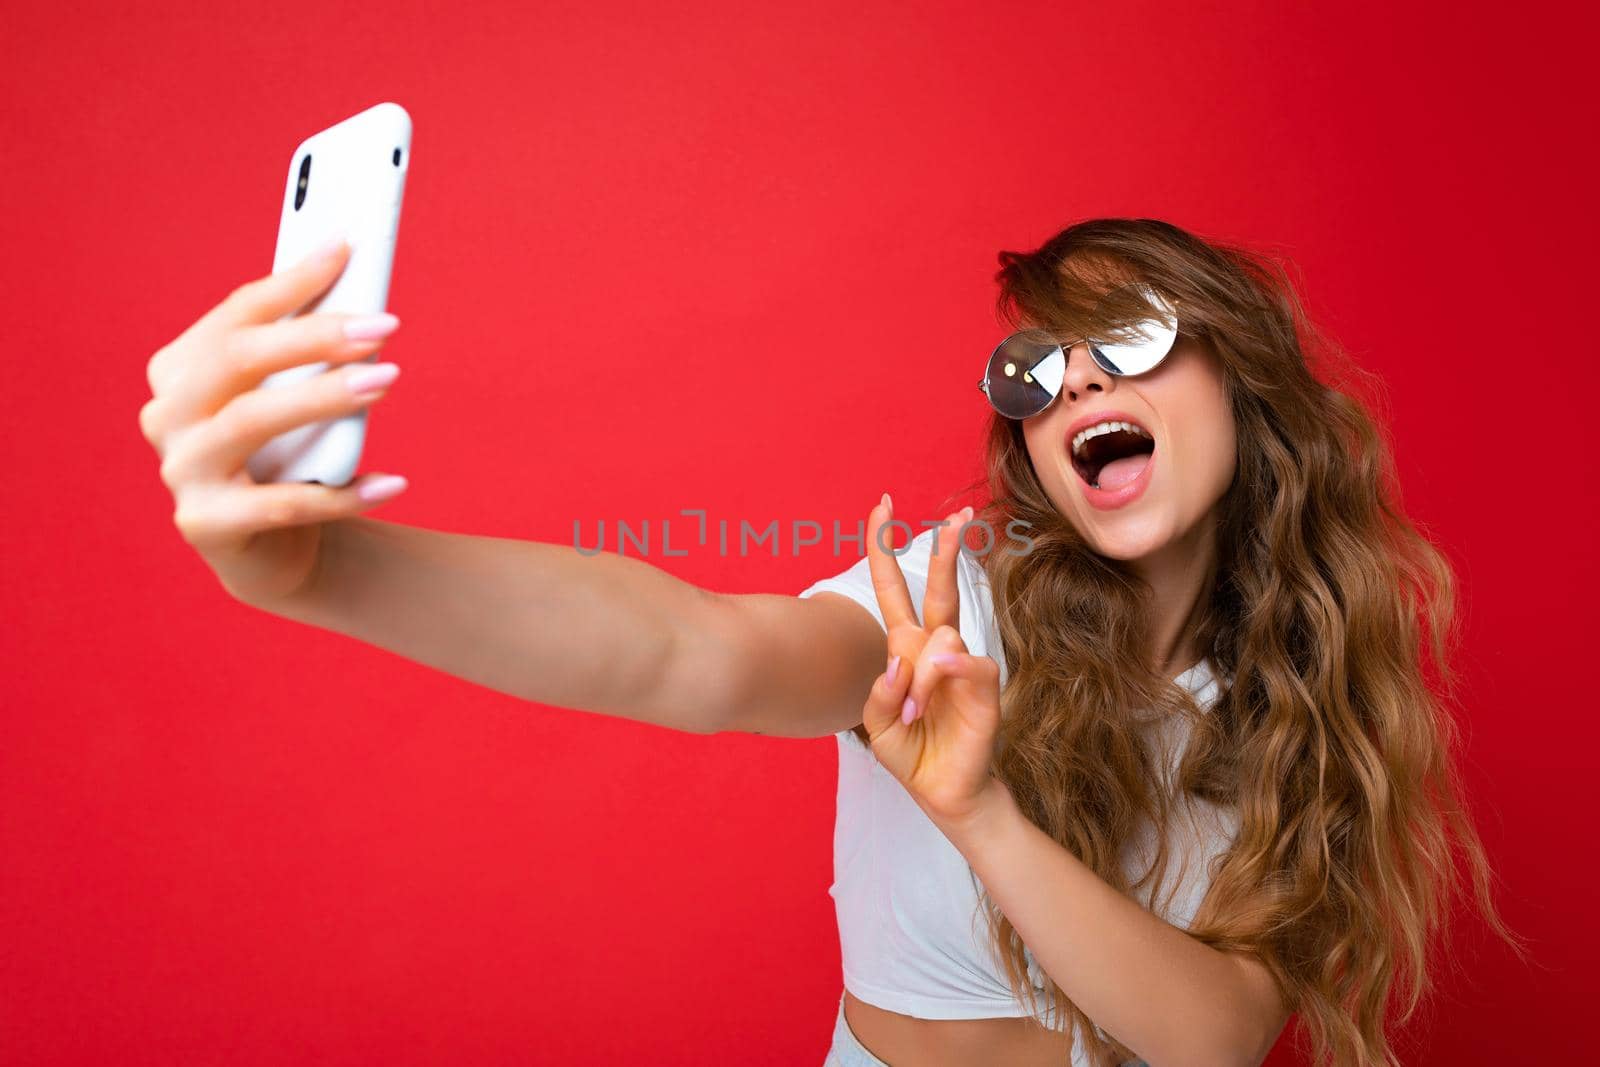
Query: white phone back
<point x="354" y="188"/>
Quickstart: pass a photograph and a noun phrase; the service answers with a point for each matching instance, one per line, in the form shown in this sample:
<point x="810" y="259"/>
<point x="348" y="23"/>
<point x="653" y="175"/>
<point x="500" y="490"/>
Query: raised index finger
<point x="894" y="598"/>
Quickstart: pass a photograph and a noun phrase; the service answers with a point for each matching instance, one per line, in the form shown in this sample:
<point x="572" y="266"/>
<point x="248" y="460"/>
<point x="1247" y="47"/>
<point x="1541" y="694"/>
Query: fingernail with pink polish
<point x="908" y="711"/>
<point x="894" y="669"/>
<point x="370" y="327"/>
<point x="383" y="487"/>
<point x="942" y="659"/>
<point x="370" y="378"/>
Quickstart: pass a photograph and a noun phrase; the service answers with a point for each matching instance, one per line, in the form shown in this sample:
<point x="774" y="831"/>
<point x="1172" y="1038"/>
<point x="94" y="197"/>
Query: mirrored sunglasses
<point x="1026" y="370"/>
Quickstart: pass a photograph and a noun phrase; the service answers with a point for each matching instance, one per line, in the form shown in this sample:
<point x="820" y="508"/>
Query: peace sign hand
<point x="934" y="713"/>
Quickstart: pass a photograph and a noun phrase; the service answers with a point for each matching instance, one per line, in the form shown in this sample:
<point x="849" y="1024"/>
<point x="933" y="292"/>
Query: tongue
<point x="1119" y="472"/>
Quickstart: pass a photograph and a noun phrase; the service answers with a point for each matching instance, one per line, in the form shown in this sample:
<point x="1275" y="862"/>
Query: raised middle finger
<point x="941" y="603"/>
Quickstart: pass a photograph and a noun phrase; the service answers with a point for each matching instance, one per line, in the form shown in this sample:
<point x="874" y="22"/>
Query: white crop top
<point x="912" y="938"/>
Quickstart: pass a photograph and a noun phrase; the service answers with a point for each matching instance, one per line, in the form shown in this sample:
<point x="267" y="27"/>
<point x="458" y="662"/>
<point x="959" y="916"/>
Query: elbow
<point x="1250" y="1025"/>
<point x="705" y="709"/>
<point x="690" y="714"/>
<point x="1230" y="1055"/>
<point x="1236" y="1028"/>
<point x="1242" y="1046"/>
<point x="1223" y="1049"/>
<point x="705" y="676"/>
<point x="717" y="716"/>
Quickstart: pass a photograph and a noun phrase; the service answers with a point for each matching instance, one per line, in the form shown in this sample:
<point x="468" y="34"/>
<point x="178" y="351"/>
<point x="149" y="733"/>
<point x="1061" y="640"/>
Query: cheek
<point x="1216" y="452"/>
<point x="1195" y="396"/>
<point x="1044" y="437"/>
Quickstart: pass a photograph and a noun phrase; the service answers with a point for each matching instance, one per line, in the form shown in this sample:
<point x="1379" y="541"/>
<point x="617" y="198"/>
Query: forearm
<point x="1159" y="991"/>
<point x="543" y="622"/>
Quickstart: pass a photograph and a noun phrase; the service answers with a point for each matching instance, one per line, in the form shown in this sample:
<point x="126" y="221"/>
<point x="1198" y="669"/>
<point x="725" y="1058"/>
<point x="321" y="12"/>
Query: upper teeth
<point x="1103" y="427"/>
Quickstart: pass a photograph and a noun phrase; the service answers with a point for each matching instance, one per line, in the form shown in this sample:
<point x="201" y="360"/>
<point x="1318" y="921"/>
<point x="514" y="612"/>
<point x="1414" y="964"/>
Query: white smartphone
<point x="345" y="181"/>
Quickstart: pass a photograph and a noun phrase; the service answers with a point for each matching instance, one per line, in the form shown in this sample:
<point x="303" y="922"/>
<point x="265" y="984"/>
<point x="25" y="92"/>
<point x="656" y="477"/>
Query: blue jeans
<point x="848" y="1051"/>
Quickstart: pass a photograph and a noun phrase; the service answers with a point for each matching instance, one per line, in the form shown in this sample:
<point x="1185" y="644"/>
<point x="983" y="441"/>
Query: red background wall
<point x="226" y="838"/>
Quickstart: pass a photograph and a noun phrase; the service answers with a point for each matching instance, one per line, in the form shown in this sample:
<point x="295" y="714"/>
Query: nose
<point x="1084" y="375"/>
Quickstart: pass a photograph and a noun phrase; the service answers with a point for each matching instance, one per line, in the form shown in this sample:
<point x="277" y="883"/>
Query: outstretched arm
<point x="601" y="633"/>
<point x="544" y="622"/>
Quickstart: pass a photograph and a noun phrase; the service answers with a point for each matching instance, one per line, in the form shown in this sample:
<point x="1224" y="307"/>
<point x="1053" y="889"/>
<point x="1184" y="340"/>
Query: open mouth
<point x="1110" y="454"/>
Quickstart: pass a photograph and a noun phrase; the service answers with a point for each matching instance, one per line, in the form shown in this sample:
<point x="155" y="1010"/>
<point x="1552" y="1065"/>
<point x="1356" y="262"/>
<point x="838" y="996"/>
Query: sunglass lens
<point x="1025" y="374"/>
<point x="1139" y="349"/>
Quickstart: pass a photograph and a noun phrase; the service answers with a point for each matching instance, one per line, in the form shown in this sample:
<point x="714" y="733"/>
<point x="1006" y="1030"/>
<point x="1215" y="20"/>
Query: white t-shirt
<point x="912" y="938"/>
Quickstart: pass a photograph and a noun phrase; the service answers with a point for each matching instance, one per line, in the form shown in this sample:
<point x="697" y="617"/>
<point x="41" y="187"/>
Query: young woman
<point x="1150" y="767"/>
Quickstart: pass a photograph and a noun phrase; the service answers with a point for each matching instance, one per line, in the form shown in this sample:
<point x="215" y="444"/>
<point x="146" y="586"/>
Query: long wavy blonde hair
<point x="1329" y="617"/>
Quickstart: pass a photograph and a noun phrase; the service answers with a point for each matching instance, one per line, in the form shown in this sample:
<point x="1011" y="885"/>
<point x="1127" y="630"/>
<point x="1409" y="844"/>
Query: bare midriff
<point x="901" y="1040"/>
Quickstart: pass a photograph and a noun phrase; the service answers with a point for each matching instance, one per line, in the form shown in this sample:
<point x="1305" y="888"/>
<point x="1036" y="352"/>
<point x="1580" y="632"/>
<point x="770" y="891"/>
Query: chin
<point x="1127" y="549"/>
<point x="1128" y="539"/>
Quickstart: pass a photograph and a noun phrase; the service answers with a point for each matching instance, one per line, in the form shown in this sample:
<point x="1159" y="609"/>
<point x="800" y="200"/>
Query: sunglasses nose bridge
<point x="1105" y="360"/>
<point x="1084" y="372"/>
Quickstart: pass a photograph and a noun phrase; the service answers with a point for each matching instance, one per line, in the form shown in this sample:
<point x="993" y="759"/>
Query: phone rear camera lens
<point x="304" y="181"/>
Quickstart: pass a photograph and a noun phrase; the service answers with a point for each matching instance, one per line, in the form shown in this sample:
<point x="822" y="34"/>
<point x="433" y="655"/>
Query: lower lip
<point x="1120" y="497"/>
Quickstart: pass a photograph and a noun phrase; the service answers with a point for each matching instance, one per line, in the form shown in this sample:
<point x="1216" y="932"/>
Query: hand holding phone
<point x="346" y="181"/>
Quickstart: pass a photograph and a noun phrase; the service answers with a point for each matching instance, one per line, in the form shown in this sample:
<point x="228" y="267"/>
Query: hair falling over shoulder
<point x="1328" y="625"/>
